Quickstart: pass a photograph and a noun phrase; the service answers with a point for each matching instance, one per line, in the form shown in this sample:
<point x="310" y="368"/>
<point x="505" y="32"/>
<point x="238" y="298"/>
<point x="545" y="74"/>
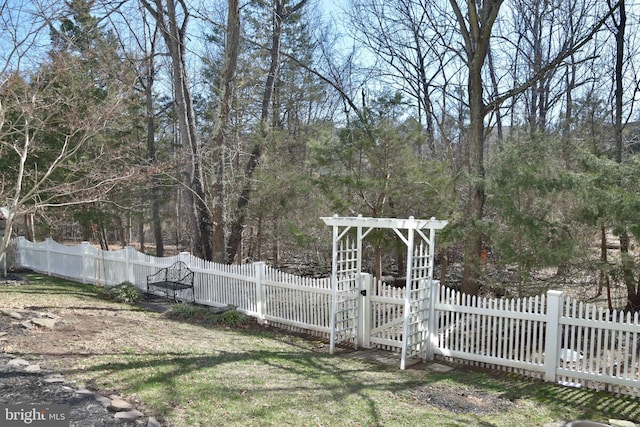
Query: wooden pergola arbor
<point x="349" y="295"/>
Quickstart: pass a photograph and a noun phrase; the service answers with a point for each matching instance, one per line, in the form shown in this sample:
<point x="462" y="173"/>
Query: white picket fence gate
<point x="550" y="337"/>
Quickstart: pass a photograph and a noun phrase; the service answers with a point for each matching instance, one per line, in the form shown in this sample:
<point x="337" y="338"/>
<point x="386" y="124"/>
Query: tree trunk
<point x="29" y="227"/>
<point x="604" y="275"/>
<point x="156" y="196"/>
<point x="232" y="49"/>
<point x="475" y="27"/>
<point x="280" y="15"/>
<point x="141" y="240"/>
<point x="628" y="265"/>
<point x="120" y="230"/>
<point x="476" y="197"/>
<point x="198" y="215"/>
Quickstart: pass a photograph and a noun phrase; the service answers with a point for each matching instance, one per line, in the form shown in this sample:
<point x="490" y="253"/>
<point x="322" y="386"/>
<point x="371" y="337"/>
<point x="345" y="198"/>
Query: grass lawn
<point x="187" y="374"/>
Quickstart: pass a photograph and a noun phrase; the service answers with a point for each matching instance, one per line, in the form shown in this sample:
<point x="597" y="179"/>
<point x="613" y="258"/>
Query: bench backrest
<point x="178" y="272"/>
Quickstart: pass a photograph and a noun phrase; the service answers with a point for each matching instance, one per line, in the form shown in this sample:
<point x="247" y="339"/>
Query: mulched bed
<point x="461" y="400"/>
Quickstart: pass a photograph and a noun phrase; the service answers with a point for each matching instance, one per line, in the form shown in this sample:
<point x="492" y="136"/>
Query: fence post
<point x="47" y="245"/>
<point x="129" y="276"/>
<point x="364" y="311"/>
<point x="19" y="255"/>
<point x="552" y="335"/>
<point x="432" y="328"/>
<point x="185" y="257"/>
<point x="86" y="247"/>
<point x="260" y="269"/>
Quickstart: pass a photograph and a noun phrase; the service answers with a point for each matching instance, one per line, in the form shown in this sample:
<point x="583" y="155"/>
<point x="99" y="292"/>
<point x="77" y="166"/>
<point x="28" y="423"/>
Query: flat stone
<point x="119" y="405"/>
<point x="85" y="391"/>
<point x="18" y="362"/>
<point x="11" y="313"/>
<point x="133" y="414"/>
<point x="437" y="367"/>
<point x="55" y="378"/>
<point x="104" y="400"/>
<point x="26" y="324"/>
<point x="2" y="334"/>
<point x="32" y="368"/>
<point x="622" y="423"/>
<point x="44" y="322"/>
<point x="152" y="422"/>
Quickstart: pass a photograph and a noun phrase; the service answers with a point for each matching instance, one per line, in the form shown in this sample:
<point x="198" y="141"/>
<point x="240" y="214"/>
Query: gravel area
<point x="20" y="387"/>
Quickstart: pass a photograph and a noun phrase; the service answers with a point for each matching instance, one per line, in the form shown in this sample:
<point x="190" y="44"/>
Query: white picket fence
<point x="255" y="289"/>
<point x="550" y="337"/>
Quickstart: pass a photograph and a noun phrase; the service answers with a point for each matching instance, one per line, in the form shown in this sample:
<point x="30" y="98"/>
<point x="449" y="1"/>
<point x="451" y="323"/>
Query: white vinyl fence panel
<point x="550" y="337"/>
<point x="387" y="316"/>
<point x="300" y="302"/>
<point x="599" y="344"/>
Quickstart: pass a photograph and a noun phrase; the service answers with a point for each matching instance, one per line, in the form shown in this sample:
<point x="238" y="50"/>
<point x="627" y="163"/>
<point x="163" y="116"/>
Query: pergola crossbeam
<point x="410" y="223"/>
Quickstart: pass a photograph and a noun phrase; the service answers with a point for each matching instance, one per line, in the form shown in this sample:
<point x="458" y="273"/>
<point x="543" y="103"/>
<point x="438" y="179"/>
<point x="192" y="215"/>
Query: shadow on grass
<point x="587" y="404"/>
<point x="333" y="379"/>
<point x="213" y="377"/>
<point x="291" y="373"/>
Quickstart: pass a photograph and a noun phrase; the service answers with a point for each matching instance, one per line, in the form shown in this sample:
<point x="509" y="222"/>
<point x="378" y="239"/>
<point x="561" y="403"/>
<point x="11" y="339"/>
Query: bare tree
<point x="172" y="17"/>
<point x="145" y="37"/>
<point x="53" y="119"/>
<point x="231" y="52"/>
<point x="621" y="112"/>
<point x="406" y="41"/>
<point x="475" y="22"/>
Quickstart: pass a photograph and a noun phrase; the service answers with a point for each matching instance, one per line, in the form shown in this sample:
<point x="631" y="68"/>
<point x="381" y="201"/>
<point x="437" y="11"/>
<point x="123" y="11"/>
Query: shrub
<point x="125" y="292"/>
<point x="231" y="318"/>
<point x="188" y="312"/>
<point x="203" y="314"/>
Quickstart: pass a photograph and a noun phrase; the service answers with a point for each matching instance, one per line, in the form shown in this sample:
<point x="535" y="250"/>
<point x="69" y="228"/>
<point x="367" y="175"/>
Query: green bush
<point x="202" y="314"/>
<point x="125" y="292"/>
<point x="231" y="318"/>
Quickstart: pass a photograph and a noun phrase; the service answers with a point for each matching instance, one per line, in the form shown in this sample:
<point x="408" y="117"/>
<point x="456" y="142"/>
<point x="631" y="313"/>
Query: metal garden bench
<point x="172" y="281"/>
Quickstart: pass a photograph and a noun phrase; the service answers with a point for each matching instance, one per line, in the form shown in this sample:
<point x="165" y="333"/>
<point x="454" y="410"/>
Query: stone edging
<point x="121" y="409"/>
